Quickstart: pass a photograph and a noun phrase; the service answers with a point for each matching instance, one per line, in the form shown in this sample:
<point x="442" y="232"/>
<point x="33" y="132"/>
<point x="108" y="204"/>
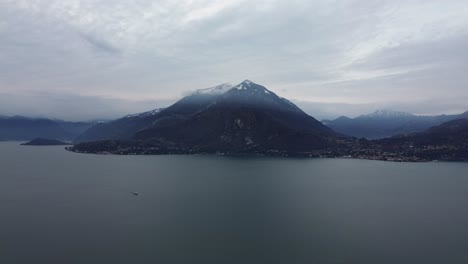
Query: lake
<point x="62" y="207"/>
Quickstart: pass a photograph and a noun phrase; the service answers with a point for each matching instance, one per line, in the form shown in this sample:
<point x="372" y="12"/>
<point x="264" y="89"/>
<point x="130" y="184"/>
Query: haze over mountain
<point x="126" y="127"/>
<point x="24" y="128"/>
<point x="386" y="123"/>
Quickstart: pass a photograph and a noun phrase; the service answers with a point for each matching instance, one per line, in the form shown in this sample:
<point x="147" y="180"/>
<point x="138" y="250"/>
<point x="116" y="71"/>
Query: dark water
<point x="61" y="207"/>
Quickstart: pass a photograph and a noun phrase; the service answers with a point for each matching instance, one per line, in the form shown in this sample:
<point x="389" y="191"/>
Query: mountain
<point x="24" y="128"/>
<point x="385" y="123"/>
<point x="121" y="128"/>
<point x="448" y="141"/>
<point x="45" y="142"/>
<point x="248" y="118"/>
<point x="126" y="127"/>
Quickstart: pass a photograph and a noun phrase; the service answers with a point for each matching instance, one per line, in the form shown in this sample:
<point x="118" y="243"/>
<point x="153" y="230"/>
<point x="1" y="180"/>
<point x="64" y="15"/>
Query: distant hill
<point x="45" y="142"/>
<point x="24" y="128"/>
<point x="247" y="118"/>
<point x="384" y="123"/>
<point x="448" y="141"/>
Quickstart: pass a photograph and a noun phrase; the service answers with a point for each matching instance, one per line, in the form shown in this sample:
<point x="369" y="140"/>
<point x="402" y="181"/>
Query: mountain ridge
<point x="386" y="123"/>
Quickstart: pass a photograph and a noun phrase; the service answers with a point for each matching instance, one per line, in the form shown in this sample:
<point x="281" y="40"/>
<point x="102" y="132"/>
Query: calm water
<point x="61" y="207"/>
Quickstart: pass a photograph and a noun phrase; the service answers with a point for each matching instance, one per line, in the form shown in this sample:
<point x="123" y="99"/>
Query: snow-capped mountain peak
<point x="252" y="87"/>
<point x="250" y="93"/>
<point x="245" y="85"/>
<point x="217" y="90"/>
<point x="389" y="114"/>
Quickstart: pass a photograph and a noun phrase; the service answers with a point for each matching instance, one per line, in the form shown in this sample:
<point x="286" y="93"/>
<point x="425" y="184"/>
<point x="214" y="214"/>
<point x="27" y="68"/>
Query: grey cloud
<point x="73" y="107"/>
<point x="336" y="57"/>
<point x="99" y="44"/>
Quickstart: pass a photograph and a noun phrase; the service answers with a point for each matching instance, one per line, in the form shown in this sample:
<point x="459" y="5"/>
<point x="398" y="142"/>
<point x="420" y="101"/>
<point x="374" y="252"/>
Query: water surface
<point x="62" y="207"/>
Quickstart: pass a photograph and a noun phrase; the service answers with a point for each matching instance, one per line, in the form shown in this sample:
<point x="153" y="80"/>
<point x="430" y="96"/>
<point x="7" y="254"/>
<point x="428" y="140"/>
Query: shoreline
<point x="270" y="155"/>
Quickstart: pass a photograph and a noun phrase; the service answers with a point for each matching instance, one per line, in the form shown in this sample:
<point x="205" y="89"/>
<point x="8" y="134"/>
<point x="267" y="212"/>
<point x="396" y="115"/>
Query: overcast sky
<point x="104" y="58"/>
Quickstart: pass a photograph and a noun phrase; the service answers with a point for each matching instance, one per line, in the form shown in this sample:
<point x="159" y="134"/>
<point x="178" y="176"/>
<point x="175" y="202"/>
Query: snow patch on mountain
<point x="144" y="114"/>
<point x="217" y="90"/>
<point x="251" y="87"/>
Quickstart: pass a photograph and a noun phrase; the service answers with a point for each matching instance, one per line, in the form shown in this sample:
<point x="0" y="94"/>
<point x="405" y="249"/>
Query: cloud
<point x="99" y="44"/>
<point x="344" y="54"/>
